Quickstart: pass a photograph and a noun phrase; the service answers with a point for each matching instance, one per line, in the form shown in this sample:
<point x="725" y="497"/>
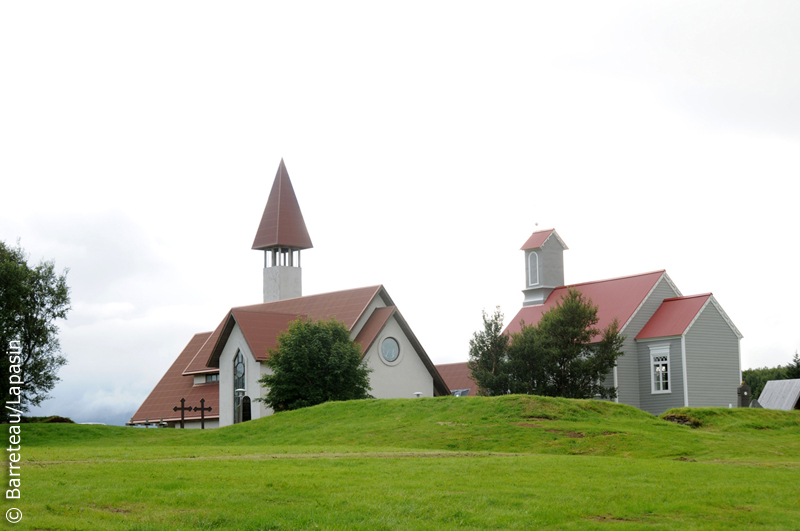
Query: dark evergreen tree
<point x="315" y="362"/>
<point x="31" y="300"/>
<point x="487" y="356"/>
<point x="758" y="378"/>
<point x="793" y="369"/>
<point x="565" y="354"/>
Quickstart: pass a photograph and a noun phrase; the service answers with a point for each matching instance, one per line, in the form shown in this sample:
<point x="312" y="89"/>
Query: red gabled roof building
<point x="224" y="366"/>
<point x="679" y="350"/>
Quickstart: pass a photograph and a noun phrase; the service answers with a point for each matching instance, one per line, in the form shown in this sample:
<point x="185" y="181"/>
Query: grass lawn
<point x="512" y="462"/>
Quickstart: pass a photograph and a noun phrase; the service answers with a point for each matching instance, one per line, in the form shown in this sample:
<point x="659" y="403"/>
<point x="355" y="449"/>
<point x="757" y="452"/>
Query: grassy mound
<point x="510" y="462"/>
<point x="507" y="424"/>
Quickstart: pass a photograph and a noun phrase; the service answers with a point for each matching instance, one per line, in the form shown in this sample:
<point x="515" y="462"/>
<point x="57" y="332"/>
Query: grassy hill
<point x="511" y="462"/>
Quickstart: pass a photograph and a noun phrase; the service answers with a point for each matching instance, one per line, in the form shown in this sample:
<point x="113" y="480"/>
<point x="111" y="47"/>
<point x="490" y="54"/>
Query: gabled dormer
<point x="544" y="265"/>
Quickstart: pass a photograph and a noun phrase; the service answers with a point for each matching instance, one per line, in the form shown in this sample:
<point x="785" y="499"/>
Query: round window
<point x="390" y="349"/>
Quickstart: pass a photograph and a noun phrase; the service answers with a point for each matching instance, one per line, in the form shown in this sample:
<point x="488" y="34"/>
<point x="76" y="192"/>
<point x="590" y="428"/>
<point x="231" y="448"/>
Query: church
<point x="679" y="351"/>
<point x="214" y="381"/>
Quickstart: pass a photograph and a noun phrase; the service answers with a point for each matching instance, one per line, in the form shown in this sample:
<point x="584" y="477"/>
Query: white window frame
<point x="659" y="354"/>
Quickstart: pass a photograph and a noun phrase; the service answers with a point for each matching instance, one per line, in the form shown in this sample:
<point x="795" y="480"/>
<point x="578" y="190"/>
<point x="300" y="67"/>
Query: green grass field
<point x="512" y="462"/>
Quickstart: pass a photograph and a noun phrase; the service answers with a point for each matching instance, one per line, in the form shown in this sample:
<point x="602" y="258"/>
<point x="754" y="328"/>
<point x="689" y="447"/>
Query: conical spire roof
<point x="282" y="224"/>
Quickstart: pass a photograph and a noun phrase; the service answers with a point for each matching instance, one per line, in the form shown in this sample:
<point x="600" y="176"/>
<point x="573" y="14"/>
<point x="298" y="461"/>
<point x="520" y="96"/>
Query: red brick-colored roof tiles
<point x="263" y="322"/>
<point x="197" y="365"/>
<point x="369" y="332"/>
<point x="674" y="316"/>
<point x="538" y="238"/>
<point x="458" y="376"/>
<point x="261" y="330"/>
<point x="173" y="386"/>
<point x="616" y="297"/>
<point x="345" y="306"/>
<point x="282" y="224"/>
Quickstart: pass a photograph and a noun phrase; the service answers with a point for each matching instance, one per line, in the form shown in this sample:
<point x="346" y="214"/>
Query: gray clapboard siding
<point x="712" y="360"/>
<point x="628" y="373"/>
<point x="660" y="402"/>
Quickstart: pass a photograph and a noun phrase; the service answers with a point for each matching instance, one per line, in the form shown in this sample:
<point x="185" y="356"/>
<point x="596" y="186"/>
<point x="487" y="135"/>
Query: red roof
<point x="282" y="223"/>
<point x="538" y="238"/>
<point x="174" y="385"/>
<point x="674" y="316"/>
<point x="261" y="323"/>
<point x="616" y="297"/>
<point x="197" y="365"/>
<point x="377" y="320"/>
<point x="458" y="376"/>
<point x="261" y="330"/>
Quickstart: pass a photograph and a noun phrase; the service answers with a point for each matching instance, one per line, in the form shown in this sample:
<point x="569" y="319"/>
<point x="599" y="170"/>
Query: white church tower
<point x="544" y="266"/>
<point x="282" y="235"/>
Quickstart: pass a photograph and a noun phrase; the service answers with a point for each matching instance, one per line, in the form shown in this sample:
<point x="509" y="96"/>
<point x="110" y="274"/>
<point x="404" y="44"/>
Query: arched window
<point x="533" y="268"/>
<point x="238" y="384"/>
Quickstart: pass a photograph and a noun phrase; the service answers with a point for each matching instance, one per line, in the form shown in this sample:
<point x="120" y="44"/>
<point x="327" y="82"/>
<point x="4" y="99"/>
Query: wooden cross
<point x="202" y="409"/>
<point x="182" y="409"/>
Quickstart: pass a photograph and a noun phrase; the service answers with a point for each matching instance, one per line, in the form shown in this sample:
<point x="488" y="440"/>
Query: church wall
<point x="260" y="409"/>
<point x="405" y="376"/>
<point x="712" y="361"/>
<point x="236" y="342"/>
<point x="552" y="263"/>
<point x="629" y="378"/>
<point x="376" y="302"/>
<point x="657" y="403"/>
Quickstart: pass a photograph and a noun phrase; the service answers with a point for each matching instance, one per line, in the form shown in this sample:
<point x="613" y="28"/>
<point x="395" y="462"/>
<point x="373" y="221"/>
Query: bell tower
<point x="282" y="235"/>
<point x="544" y="266"/>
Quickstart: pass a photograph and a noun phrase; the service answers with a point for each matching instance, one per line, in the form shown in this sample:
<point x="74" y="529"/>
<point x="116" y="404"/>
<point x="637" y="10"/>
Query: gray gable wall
<point x="712" y="360"/>
<point x="628" y="373"/>
<point x="552" y="263"/>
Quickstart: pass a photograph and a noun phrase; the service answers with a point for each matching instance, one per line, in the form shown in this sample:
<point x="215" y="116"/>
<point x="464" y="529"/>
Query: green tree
<point x="565" y="354"/>
<point x="756" y="379"/>
<point x="315" y="362"/>
<point x="488" y="357"/>
<point x="31" y="300"/>
<point x="793" y="369"/>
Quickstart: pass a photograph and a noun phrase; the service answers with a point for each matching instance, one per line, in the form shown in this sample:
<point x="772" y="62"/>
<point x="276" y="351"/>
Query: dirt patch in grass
<point x="683" y="419"/>
<point x="533" y="417"/>
<point x="570" y="434"/>
<point x="527" y="425"/>
<point x="686" y="459"/>
<point x="609" y="518"/>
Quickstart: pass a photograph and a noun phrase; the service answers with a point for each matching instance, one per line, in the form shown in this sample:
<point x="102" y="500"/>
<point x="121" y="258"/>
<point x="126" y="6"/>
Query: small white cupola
<point x="544" y="265"/>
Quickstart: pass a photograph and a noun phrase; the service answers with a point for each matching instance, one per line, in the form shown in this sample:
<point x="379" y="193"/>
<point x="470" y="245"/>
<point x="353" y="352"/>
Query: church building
<point x="679" y="351"/>
<point x="222" y="367"/>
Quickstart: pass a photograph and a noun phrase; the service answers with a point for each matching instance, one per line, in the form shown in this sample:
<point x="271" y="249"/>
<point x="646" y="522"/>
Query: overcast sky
<point x="425" y="141"/>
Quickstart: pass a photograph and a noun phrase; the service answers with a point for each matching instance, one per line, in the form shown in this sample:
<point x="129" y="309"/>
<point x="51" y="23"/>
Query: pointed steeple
<point x="282" y="224"/>
<point x="282" y="235"/>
